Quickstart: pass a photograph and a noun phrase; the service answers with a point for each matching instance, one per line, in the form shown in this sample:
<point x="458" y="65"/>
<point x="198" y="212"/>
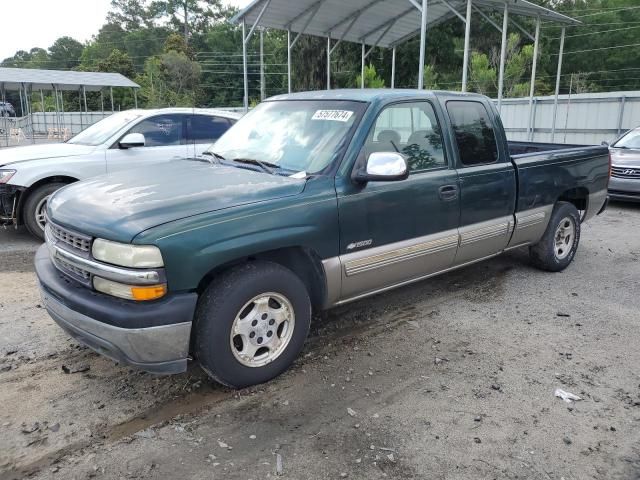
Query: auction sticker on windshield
<point x="335" y="115"/>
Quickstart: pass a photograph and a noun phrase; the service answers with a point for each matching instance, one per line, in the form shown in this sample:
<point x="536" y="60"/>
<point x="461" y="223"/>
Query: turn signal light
<point x="148" y="293"/>
<point x="130" y="292"/>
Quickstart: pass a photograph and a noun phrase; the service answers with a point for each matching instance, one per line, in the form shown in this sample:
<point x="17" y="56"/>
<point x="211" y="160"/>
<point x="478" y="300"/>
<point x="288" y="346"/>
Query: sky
<point x="38" y="23"/>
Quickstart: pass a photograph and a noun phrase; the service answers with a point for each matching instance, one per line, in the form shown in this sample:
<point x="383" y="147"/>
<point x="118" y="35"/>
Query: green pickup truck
<point x="310" y="201"/>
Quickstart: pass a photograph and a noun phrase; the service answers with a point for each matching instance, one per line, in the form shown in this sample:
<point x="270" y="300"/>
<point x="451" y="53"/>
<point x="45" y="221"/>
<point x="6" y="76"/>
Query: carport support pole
<point x="4" y="118"/>
<point x="289" y="61"/>
<point x="362" y="68"/>
<point x="244" y="65"/>
<point x="135" y="99"/>
<point x="80" y="105"/>
<point x="532" y="86"/>
<point x="393" y="67"/>
<point x="558" y="75"/>
<point x="423" y="40"/>
<point x="329" y="62"/>
<point x="503" y="54"/>
<point x="262" y="84"/>
<point x="44" y="112"/>
<point x="111" y="95"/>
<point x="55" y="94"/>
<point x="467" y="35"/>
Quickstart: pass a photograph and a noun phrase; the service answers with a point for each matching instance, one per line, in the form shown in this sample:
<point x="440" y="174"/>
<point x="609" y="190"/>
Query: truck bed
<point x="519" y="148"/>
<point x="546" y="171"/>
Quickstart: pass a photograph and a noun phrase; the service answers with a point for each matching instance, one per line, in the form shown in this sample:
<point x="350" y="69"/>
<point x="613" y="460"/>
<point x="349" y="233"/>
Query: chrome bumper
<point x="162" y="349"/>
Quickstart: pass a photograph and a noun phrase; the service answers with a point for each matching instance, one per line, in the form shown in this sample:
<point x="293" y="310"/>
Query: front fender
<point x="193" y="247"/>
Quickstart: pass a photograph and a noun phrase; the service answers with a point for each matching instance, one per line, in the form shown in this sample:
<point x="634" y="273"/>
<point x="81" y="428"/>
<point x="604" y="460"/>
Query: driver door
<point x="397" y="231"/>
<point x="165" y="140"/>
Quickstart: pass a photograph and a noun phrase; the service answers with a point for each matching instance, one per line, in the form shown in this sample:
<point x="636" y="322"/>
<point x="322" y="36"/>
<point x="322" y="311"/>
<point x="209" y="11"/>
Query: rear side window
<point x="161" y="130"/>
<point x="473" y="131"/>
<point x="206" y="128"/>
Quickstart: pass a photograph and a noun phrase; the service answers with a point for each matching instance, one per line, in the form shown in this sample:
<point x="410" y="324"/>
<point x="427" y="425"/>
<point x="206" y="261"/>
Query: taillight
<point x="610" y="162"/>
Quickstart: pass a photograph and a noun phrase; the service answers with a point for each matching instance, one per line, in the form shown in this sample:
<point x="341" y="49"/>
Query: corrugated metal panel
<point x="334" y="16"/>
<point x="13" y="78"/>
<point x="587" y="118"/>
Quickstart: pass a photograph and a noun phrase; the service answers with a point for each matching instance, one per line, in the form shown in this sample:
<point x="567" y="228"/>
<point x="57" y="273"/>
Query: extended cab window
<point x="411" y="129"/>
<point x="473" y="132"/>
<point x="161" y="130"/>
<point x="206" y="128"/>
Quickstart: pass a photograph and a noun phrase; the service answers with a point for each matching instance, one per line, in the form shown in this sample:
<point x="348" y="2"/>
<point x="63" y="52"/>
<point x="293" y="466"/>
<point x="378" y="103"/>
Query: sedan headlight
<point x="5" y="175"/>
<point x="127" y="255"/>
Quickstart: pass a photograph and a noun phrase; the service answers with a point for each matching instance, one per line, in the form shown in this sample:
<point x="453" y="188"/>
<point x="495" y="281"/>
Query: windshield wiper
<point x="265" y="166"/>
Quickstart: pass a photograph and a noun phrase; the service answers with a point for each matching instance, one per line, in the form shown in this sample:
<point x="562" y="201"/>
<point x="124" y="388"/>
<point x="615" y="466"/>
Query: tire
<point x="228" y="303"/>
<point x="34" y="205"/>
<point x="557" y="247"/>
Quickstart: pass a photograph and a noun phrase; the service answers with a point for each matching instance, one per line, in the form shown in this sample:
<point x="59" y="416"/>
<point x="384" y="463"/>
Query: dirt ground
<point x="451" y="378"/>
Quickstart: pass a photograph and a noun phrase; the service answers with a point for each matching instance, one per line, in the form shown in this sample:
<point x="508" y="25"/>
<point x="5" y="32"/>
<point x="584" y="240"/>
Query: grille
<point x="74" y="272"/>
<point x="624" y="172"/>
<point x="72" y="241"/>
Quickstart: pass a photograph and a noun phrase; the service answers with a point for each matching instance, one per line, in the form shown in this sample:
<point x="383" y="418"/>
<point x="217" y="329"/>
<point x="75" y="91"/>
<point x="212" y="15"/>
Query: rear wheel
<point x="35" y="207"/>
<point x="251" y="324"/>
<point x="557" y="247"/>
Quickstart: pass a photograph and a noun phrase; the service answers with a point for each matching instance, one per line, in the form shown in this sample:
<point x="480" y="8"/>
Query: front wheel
<point x="251" y="324"/>
<point x="35" y="207"/>
<point x="557" y="247"/>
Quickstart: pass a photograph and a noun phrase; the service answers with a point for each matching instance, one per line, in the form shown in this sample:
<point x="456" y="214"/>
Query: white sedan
<point x="133" y="138"/>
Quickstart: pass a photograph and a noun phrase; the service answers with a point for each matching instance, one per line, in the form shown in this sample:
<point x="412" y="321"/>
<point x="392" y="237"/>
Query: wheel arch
<point x="43" y="181"/>
<point x="302" y="261"/>
<point x="578" y="197"/>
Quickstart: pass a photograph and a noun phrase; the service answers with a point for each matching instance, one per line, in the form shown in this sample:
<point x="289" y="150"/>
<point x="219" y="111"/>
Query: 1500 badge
<point x="360" y="244"/>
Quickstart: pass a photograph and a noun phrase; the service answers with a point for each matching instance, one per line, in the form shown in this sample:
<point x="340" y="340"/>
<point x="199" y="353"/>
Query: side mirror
<point x="131" y="140"/>
<point x="382" y="167"/>
<point x="604" y="143"/>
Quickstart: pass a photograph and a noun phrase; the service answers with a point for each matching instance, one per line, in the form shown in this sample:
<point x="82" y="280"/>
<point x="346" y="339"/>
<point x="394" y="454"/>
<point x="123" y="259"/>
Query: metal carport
<point x="388" y="23"/>
<point x="26" y="80"/>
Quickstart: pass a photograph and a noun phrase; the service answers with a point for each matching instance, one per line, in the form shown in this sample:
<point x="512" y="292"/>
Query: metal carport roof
<point x="18" y="78"/>
<point x="384" y="23"/>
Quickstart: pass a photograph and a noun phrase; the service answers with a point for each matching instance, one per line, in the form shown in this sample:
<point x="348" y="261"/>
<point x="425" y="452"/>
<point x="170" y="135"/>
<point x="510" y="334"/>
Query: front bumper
<point x="625" y="189"/>
<point x="153" y="336"/>
<point x="9" y="198"/>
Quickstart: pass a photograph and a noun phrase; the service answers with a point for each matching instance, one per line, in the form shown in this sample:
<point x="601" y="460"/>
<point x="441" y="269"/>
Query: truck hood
<point x="11" y="156"/>
<point x="621" y="157"/>
<point x="121" y="205"/>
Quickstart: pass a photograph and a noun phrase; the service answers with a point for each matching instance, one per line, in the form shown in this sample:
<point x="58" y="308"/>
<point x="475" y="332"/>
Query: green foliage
<point x="371" y="78"/>
<point x="482" y="76"/>
<point x="430" y="78"/>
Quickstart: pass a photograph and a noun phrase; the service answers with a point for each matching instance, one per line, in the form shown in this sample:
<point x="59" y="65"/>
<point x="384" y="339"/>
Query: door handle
<point x="448" y="192"/>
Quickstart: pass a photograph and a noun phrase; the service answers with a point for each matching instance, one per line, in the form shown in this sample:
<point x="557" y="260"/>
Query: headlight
<point x="5" y="175"/>
<point x="130" y="292"/>
<point x="126" y="255"/>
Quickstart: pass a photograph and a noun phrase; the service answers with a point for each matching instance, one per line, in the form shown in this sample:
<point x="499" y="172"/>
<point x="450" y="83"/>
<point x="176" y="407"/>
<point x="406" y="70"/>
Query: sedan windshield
<point x="629" y="140"/>
<point x="291" y="135"/>
<point x="101" y="131"/>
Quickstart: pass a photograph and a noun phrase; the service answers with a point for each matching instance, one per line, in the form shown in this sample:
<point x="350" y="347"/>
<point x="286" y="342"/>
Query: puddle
<point x="206" y="396"/>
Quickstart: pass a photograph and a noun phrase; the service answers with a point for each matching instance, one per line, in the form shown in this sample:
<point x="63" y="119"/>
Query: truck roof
<point x="369" y="94"/>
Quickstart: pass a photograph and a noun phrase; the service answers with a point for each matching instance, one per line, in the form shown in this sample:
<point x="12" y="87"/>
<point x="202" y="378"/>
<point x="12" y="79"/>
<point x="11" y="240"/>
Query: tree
<point x="130" y="14"/>
<point x="187" y="16"/>
<point x="430" y="77"/>
<point x="482" y="76"/>
<point x="118" y="62"/>
<point x="371" y="78"/>
<point x="65" y="53"/>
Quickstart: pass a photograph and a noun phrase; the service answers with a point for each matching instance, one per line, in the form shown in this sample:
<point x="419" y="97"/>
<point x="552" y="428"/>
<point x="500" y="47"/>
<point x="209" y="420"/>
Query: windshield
<point x="101" y="131"/>
<point x="629" y="140"/>
<point x="293" y="135"/>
